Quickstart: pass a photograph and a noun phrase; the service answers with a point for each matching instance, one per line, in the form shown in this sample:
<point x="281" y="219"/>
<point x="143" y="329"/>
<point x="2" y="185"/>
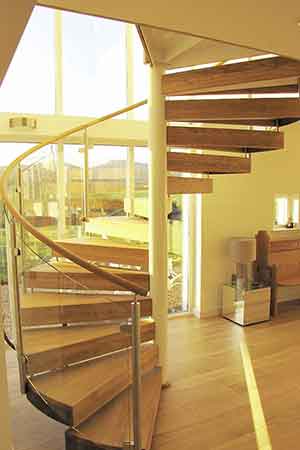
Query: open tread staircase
<point x="78" y="357"/>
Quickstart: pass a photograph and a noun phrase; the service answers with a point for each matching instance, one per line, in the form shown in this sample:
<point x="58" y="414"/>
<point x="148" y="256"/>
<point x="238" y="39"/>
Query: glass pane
<point x="39" y="188"/>
<point x="73" y="163"/>
<point x="176" y="251"/>
<point x="29" y="83"/>
<point x="94" y="65"/>
<point x="107" y="180"/>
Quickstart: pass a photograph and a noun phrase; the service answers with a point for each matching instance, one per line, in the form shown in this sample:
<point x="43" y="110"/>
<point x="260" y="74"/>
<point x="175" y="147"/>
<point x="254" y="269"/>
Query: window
<point x="29" y="83"/>
<point x="286" y="211"/>
<point x="94" y="65"/>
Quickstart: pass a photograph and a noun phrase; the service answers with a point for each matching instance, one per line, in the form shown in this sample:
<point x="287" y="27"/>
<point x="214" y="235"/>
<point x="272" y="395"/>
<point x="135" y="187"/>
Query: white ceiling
<point x="267" y="25"/>
<point x="176" y="50"/>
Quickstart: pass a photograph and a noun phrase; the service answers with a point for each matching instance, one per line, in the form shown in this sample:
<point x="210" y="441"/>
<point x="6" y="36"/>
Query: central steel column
<point x="158" y="226"/>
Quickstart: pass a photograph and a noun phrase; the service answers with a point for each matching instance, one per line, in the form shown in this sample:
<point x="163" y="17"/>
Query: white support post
<point x="59" y="110"/>
<point x="158" y="227"/>
<point x="130" y="172"/>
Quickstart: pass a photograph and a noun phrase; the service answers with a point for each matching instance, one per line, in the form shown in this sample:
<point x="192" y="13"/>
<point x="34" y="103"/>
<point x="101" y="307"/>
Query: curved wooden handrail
<point x="133" y="287"/>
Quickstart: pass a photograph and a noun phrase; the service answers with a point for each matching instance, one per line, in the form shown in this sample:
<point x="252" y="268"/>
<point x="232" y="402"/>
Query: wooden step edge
<point x="154" y="414"/>
<point x="224" y="139"/>
<point x="187" y="185"/>
<point x="72" y="353"/>
<point x="73" y="415"/>
<point x="82" y="313"/>
<point x="149" y="360"/>
<point x="77" y="440"/>
<point x="55" y="410"/>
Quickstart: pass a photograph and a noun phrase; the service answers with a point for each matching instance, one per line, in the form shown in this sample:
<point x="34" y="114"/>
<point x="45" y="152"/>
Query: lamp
<point x="243" y="252"/>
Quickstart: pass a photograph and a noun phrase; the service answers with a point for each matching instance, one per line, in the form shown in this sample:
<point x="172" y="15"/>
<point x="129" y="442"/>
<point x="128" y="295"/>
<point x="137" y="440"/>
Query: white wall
<point x="240" y="206"/>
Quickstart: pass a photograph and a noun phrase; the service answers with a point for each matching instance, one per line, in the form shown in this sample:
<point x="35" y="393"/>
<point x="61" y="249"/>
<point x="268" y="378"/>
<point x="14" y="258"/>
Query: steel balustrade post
<point x="22" y="234"/>
<point x="136" y="375"/>
<point x="85" y="175"/>
<point x="14" y="252"/>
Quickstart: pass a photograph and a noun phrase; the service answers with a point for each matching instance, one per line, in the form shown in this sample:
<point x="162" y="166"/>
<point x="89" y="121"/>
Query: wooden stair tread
<point x="107" y="251"/>
<point x="70" y="267"/>
<point x="42" y="339"/>
<point x="74" y="393"/>
<point x="246" y="109"/>
<point x="111" y="426"/>
<point x="210" y="164"/>
<point x="188" y="185"/>
<point x="45" y="308"/>
<point x="278" y="123"/>
<point x="226" y="139"/>
<point x="102" y="243"/>
<point x="56" y="347"/>
<point x="48" y="299"/>
<point x="68" y="275"/>
<point x="274" y="71"/>
<point x="289" y="281"/>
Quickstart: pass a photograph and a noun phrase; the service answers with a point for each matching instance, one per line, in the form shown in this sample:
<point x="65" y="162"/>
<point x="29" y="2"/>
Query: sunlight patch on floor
<point x="260" y="426"/>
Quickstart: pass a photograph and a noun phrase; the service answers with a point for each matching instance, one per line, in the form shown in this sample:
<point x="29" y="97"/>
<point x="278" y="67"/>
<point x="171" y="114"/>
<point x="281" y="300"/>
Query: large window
<point x="94" y="65"/>
<point x="29" y="82"/>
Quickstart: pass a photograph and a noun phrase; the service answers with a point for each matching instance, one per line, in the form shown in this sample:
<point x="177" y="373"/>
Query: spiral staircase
<point x="73" y="310"/>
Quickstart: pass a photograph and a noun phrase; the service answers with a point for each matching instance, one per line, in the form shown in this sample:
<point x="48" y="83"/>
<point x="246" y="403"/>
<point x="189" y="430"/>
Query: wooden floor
<point x="209" y="403"/>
